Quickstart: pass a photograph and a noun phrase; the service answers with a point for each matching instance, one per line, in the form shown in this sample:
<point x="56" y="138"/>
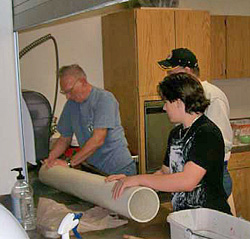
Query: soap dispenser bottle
<point x="22" y="202"/>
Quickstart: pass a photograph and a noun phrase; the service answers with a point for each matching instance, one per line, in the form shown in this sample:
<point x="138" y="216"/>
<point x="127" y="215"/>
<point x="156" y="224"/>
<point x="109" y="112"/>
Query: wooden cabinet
<point x="230" y="47"/>
<point x="218" y="47"/>
<point x="238" y="47"/>
<point x="133" y="42"/>
<point x="239" y="169"/>
<point x="192" y="30"/>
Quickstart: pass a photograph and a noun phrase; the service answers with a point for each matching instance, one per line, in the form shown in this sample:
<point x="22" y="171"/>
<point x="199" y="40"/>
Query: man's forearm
<point x="86" y="151"/>
<point x="95" y="142"/>
<point x="59" y="148"/>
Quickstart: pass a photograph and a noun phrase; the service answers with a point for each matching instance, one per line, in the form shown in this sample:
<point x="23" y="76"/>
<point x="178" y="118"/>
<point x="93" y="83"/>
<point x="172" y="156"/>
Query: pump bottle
<point x="22" y="202"/>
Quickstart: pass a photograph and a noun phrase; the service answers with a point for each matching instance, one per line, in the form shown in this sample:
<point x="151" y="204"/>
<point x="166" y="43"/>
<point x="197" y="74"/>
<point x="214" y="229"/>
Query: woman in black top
<point x="193" y="166"/>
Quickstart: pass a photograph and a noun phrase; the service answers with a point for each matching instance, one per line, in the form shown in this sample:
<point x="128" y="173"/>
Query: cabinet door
<point x="218" y="47"/>
<point x="238" y="47"/>
<point x="120" y="69"/>
<point x="155" y="40"/>
<point x="193" y="32"/>
<point x="239" y="169"/>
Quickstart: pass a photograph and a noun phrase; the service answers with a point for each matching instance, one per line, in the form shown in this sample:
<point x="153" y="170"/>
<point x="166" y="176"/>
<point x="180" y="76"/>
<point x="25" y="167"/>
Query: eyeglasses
<point x="69" y="90"/>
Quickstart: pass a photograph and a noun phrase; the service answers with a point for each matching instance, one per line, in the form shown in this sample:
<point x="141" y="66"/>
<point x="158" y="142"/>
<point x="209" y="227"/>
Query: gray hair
<point x="72" y="70"/>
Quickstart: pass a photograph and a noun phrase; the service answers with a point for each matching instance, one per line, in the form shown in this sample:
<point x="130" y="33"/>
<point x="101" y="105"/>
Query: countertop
<point x="158" y="228"/>
<point x="240" y="148"/>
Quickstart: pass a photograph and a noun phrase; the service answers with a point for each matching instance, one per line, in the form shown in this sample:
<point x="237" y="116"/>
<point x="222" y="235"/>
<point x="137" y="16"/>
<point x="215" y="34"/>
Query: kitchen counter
<point x="240" y="148"/>
<point x="158" y="228"/>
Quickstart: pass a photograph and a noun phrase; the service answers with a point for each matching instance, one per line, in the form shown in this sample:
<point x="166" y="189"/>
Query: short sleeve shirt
<point x="99" y="110"/>
<point x="202" y="144"/>
<point x="219" y="112"/>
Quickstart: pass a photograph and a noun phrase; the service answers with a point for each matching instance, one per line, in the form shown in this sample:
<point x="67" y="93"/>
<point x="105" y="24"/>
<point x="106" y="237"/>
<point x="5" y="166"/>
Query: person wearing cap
<point x="193" y="165"/>
<point x="92" y="114"/>
<point x="184" y="60"/>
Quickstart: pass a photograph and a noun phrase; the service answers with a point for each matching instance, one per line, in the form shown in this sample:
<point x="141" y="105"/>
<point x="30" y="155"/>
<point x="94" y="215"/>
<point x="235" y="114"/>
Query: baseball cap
<point x="179" y="57"/>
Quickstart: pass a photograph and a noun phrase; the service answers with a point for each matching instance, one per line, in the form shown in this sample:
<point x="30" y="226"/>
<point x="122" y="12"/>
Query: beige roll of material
<point x="139" y="203"/>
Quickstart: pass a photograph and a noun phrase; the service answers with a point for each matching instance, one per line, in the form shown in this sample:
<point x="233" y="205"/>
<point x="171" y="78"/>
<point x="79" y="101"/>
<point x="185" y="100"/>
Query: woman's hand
<point x="114" y="177"/>
<point x="131" y="237"/>
<point x="122" y="183"/>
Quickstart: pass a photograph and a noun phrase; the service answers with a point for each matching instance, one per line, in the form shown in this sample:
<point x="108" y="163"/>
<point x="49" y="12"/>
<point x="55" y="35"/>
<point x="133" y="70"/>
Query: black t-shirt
<point x="202" y="144"/>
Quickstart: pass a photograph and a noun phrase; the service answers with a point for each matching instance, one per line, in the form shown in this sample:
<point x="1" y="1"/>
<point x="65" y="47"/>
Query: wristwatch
<point x="68" y="162"/>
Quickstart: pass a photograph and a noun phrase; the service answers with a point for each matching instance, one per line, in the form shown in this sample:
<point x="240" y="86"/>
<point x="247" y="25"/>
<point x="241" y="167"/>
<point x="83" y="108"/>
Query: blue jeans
<point x="227" y="181"/>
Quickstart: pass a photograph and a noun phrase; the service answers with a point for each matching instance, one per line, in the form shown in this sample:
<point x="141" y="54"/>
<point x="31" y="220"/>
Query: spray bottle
<point x="70" y="222"/>
<point x="22" y="202"/>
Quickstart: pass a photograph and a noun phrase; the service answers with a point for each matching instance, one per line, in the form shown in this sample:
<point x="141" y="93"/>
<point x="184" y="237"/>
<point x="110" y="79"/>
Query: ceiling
<point x="31" y="13"/>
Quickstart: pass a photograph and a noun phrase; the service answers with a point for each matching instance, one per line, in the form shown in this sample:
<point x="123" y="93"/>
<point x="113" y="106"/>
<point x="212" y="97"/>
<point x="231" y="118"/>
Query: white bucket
<point x="207" y="223"/>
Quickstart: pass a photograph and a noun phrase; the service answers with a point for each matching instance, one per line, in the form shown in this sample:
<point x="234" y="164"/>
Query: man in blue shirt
<point x="92" y="114"/>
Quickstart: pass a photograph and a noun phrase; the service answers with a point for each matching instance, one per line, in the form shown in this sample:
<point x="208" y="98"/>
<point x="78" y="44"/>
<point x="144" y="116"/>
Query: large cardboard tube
<point x="139" y="203"/>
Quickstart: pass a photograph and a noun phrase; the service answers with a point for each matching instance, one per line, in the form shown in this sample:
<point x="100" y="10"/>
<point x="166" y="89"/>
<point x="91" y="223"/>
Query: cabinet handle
<point x="224" y="70"/>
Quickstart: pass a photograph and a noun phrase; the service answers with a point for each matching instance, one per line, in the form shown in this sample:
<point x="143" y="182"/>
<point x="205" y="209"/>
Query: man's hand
<point x="90" y="147"/>
<point x="60" y="146"/>
<point x="122" y="183"/>
<point x="49" y="163"/>
<point x="75" y="162"/>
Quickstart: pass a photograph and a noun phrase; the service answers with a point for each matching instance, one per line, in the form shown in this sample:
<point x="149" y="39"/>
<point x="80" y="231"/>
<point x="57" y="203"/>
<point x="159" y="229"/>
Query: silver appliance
<point x="157" y="129"/>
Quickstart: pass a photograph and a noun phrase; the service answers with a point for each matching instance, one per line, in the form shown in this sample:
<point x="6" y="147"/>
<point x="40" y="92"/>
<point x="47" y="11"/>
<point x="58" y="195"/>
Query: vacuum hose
<point x="37" y="43"/>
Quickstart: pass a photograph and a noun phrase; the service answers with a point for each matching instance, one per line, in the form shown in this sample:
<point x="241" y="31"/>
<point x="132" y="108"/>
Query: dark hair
<point x="185" y="87"/>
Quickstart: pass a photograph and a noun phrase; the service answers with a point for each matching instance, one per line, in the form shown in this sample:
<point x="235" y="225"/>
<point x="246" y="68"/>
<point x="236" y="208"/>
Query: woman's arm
<point x="177" y="182"/>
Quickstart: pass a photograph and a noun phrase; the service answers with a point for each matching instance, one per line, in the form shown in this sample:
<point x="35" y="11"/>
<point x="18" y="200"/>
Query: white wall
<point x="238" y="94"/>
<point x="78" y="42"/>
<point x="10" y="146"/>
